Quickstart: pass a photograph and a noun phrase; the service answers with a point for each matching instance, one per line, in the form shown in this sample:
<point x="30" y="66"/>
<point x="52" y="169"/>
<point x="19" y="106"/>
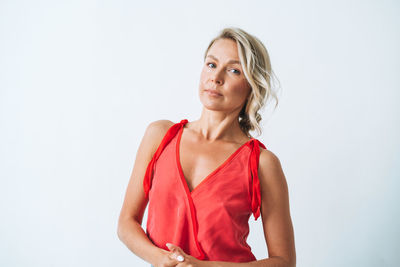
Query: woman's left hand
<point x="187" y="259"/>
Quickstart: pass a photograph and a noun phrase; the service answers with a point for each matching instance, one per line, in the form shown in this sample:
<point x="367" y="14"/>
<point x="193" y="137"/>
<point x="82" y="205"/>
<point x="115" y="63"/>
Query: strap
<point x="255" y="183"/>
<point x="172" y="131"/>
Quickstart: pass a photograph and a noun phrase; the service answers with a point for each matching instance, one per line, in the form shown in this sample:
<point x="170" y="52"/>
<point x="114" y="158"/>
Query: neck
<point x="214" y="125"/>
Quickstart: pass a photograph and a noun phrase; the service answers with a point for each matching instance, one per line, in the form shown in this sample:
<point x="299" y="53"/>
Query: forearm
<point x="131" y="233"/>
<point x="269" y="262"/>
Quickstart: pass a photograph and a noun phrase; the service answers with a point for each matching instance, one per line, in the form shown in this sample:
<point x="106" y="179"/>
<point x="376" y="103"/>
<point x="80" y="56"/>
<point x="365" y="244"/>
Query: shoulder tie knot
<point x="255" y="182"/>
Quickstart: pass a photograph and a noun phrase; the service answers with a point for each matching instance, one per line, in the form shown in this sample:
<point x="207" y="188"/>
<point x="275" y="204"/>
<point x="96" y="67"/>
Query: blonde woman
<point x="203" y="179"/>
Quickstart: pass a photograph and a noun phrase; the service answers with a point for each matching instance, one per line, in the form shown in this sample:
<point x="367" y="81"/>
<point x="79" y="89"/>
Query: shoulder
<point x="156" y="130"/>
<point x="158" y="127"/>
<point x="268" y="158"/>
<point x="270" y="170"/>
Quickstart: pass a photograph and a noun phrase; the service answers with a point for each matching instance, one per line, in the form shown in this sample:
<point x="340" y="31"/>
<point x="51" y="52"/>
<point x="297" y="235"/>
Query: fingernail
<point x="179" y="258"/>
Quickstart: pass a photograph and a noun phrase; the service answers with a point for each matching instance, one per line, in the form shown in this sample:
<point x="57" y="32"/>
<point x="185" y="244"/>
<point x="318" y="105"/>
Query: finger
<point x="171" y="247"/>
<point x="176" y="256"/>
<point x="177" y="252"/>
<point x="174" y="248"/>
<point x="180" y="258"/>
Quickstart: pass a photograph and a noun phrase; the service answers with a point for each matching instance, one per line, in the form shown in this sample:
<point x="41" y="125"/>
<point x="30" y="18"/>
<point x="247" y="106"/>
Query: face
<point x="223" y="86"/>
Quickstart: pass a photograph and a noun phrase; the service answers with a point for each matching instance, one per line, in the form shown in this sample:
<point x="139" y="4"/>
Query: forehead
<point x="225" y="48"/>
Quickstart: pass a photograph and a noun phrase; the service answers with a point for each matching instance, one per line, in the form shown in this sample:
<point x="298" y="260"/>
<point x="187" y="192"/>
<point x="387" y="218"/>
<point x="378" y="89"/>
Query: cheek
<point x="202" y="81"/>
<point x="241" y="88"/>
<point x="202" y="75"/>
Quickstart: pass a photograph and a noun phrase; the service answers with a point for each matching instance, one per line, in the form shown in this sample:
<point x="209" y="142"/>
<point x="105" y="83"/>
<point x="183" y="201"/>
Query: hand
<point x="168" y="258"/>
<point x="187" y="260"/>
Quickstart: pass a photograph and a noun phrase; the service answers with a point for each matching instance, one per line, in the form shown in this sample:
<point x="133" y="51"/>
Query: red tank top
<point x="211" y="221"/>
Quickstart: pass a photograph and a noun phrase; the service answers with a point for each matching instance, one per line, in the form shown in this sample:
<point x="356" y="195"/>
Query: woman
<point x="203" y="179"/>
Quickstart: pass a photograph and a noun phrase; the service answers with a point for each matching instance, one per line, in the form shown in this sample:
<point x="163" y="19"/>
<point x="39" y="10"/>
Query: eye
<point x="237" y="72"/>
<point x="208" y="64"/>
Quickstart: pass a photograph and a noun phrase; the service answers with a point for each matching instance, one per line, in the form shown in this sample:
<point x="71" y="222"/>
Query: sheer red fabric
<point x="211" y="221"/>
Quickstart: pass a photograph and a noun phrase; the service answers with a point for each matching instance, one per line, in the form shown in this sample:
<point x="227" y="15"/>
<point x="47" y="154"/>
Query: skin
<point x="205" y="144"/>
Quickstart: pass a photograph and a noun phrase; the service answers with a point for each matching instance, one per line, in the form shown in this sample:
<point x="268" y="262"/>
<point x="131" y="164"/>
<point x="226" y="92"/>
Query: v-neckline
<point x="221" y="166"/>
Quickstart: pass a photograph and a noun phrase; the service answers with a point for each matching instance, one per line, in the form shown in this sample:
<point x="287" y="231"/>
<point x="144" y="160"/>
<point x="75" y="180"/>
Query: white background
<point x="81" y="80"/>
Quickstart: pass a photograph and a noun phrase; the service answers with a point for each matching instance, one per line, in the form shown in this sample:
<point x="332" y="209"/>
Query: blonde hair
<point x="257" y="69"/>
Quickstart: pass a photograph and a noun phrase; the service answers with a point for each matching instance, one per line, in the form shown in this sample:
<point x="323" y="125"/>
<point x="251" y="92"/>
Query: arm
<point x="275" y="214"/>
<point x="129" y="229"/>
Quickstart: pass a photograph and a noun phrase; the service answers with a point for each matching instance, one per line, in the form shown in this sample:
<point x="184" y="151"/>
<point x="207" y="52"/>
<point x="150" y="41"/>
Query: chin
<point x="210" y="105"/>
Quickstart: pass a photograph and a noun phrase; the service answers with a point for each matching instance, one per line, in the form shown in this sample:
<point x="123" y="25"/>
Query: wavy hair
<point x="256" y="66"/>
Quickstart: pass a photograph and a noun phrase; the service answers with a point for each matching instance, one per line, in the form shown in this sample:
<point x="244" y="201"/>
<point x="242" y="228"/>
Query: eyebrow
<point x="230" y="61"/>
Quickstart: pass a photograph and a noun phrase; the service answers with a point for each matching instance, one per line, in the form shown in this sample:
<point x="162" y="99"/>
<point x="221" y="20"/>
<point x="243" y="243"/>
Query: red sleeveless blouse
<point x="211" y="221"/>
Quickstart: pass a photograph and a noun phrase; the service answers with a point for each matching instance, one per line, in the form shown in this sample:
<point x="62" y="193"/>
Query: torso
<point x="198" y="158"/>
<point x="199" y="208"/>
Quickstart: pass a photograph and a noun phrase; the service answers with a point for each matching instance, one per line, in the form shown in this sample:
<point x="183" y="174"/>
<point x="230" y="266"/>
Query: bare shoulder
<point x="270" y="169"/>
<point x="158" y="126"/>
<point x="268" y="159"/>
<point x="155" y="131"/>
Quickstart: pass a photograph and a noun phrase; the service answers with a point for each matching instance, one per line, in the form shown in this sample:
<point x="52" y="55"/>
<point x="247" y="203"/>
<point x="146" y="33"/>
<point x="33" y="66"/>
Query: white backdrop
<point x="81" y="80"/>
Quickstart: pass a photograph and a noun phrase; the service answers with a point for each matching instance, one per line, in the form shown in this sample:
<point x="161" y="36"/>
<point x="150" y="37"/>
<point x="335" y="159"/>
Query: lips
<point x="213" y="92"/>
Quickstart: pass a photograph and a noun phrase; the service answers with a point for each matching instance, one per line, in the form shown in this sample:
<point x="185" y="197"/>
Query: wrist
<point x="157" y="256"/>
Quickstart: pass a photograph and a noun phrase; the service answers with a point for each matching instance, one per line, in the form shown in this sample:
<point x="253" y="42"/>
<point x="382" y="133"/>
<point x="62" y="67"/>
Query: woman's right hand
<point x="167" y="259"/>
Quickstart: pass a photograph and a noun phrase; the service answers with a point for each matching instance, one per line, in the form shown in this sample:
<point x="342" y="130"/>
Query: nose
<point x="216" y="77"/>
